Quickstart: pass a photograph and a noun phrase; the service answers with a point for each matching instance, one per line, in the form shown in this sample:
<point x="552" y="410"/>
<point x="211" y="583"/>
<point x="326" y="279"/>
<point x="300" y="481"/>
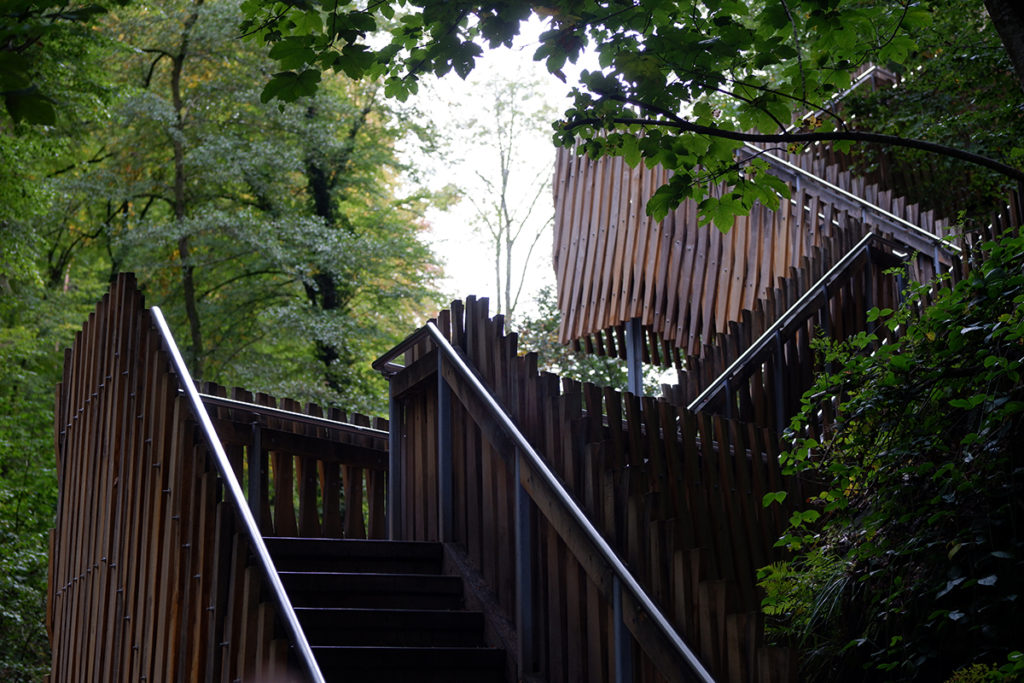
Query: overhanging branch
<point x="848" y="135"/>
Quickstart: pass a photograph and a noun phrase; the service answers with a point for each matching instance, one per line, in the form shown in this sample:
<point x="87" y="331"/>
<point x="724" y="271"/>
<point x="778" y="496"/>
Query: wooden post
<point x="444" y="455"/>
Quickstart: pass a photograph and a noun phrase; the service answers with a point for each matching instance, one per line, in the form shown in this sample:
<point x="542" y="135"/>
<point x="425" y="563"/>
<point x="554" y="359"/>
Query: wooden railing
<point x="676" y="495"/>
<point x="686" y="284"/>
<point x="317" y="475"/>
<point x="761" y="378"/>
<point x="157" y="570"/>
<point x="744" y="374"/>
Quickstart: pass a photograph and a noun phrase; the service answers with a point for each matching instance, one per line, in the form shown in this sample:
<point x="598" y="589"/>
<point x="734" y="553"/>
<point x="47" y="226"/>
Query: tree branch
<point x="849" y="135"/>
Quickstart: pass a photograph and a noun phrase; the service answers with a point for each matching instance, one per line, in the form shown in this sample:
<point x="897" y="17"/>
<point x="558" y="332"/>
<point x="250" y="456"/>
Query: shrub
<point x="909" y="564"/>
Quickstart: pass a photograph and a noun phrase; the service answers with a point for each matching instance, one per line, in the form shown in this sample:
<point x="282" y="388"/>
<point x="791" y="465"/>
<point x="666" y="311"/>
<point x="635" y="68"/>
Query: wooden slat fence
<point x="767" y="391"/>
<point x="678" y="496"/>
<point x="686" y="283"/>
<point x="151" y="577"/>
<point x="315" y="477"/>
<point x="767" y="388"/>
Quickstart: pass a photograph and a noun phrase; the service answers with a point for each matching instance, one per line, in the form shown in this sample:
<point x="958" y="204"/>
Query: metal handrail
<point x="291" y="416"/>
<point x="284" y="606"/>
<point x="792" y="314"/>
<point x="840" y="96"/>
<point x="818" y="180"/>
<point x="564" y="498"/>
<point x="850" y="196"/>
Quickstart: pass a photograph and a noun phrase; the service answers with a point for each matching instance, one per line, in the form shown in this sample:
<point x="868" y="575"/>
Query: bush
<point x="910" y="563"/>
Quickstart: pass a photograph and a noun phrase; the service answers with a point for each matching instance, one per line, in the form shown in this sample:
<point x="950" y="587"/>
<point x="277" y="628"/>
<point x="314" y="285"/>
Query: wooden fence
<point x="766" y="386"/>
<point x="767" y="389"/>
<point x="317" y="476"/>
<point x="678" y="496"/>
<point x="150" y="573"/>
<point x="614" y="263"/>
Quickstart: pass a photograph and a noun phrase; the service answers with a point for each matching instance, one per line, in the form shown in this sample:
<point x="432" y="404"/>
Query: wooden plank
<point x="597" y="245"/>
<point x="633" y="226"/>
<point x="283" y="477"/>
<point x="611" y="257"/>
<point x="573" y="263"/>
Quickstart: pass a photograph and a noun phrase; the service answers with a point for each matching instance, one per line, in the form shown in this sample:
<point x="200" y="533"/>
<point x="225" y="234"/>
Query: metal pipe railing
<point x="292" y="416"/>
<point x="885" y="216"/>
<point x="792" y="314"/>
<point x="285" y="611"/>
<point x="622" y="575"/>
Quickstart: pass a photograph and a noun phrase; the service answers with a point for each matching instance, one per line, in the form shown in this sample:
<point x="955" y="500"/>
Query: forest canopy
<point x="284" y="244"/>
<point x="679" y="84"/>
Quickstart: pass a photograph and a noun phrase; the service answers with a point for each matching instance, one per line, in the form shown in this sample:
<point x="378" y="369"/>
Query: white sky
<point x="467" y="255"/>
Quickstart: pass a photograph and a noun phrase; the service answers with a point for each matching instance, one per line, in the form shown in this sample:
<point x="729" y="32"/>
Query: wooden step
<point x="383" y="611"/>
<point x="382" y="591"/>
<point x="391" y="627"/>
<point x="413" y="664"/>
<point x="352" y="555"/>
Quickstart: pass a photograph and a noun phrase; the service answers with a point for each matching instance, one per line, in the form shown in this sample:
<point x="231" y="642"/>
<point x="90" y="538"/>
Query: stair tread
<point x="399" y="657"/>
<point x="368" y="618"/>
<point x="319" y="546"/>
<point x="401" y="649"/>
<point x="386" y="612"/>
<point x="355" y="555"/>
<point x="374" y="590"/>
<point x="426" y="583"/>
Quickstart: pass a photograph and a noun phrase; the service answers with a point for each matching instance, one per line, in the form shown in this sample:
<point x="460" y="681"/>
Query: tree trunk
<point x="1008" y="19"/>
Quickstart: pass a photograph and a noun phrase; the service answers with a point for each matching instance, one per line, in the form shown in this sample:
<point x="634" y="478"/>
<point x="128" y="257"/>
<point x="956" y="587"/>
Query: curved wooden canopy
<point x="685" y="282"/>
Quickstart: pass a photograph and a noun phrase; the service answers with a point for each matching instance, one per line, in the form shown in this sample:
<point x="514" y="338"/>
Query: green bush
<point x="909" y="564"/>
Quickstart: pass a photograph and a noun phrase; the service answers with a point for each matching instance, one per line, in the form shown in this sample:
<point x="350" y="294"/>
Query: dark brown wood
<point x="677" y="495"/>
<point x="144" y="550"/>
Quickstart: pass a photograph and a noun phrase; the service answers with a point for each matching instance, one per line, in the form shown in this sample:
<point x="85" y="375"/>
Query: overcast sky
<point x="450" y="102"/>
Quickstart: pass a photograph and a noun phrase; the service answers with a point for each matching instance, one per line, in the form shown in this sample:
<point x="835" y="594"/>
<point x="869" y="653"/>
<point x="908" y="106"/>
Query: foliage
<point x="42" y="43"/>
<point x="539" y="334"/>
<point x="663" y="67"/>
<point x="34" y="325"/>
<point x="910" y="562"/>
<point x="152" y="131"/>
<point x="264" y="232"/>
<point x="957" y="88"/>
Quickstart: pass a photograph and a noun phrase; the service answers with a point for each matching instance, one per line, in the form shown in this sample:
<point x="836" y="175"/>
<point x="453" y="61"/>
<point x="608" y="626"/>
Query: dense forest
<point x="283" y="242"/>
<point x="255" y="187"/>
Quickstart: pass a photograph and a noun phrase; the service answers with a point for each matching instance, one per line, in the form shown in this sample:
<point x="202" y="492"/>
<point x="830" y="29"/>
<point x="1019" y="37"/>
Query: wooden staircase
<point x="377" y="610"/>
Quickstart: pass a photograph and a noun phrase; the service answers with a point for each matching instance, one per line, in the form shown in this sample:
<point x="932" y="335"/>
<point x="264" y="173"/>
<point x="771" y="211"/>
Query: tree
<point x="664" y="66"/>
<point x="538" y="333"/>
<point x="134" y="139"/>
<point x="511" y="192"/>
<point x="41" y="48"/>
<point x="266" y="233"/>
<point x="957" y="88"/>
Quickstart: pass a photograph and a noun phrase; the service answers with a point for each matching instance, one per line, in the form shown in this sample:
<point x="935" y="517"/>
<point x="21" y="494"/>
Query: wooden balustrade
<point x="677" y="495"/>
<point x="323" y="476"/>
<point x="767" y="391"/>
<point x="687" y="283"/>
<point x="151" y="577"/>
<point x="767" y="388"/>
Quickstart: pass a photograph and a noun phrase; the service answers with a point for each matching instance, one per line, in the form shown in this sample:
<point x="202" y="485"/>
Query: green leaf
<point x="289" y="86"/>
<point x="355" y="61"/>
<point x="661" y="202"/>
<point x="631" y="150"/>
<point x="31" y="107"/>
<point x="293" y="52"/>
